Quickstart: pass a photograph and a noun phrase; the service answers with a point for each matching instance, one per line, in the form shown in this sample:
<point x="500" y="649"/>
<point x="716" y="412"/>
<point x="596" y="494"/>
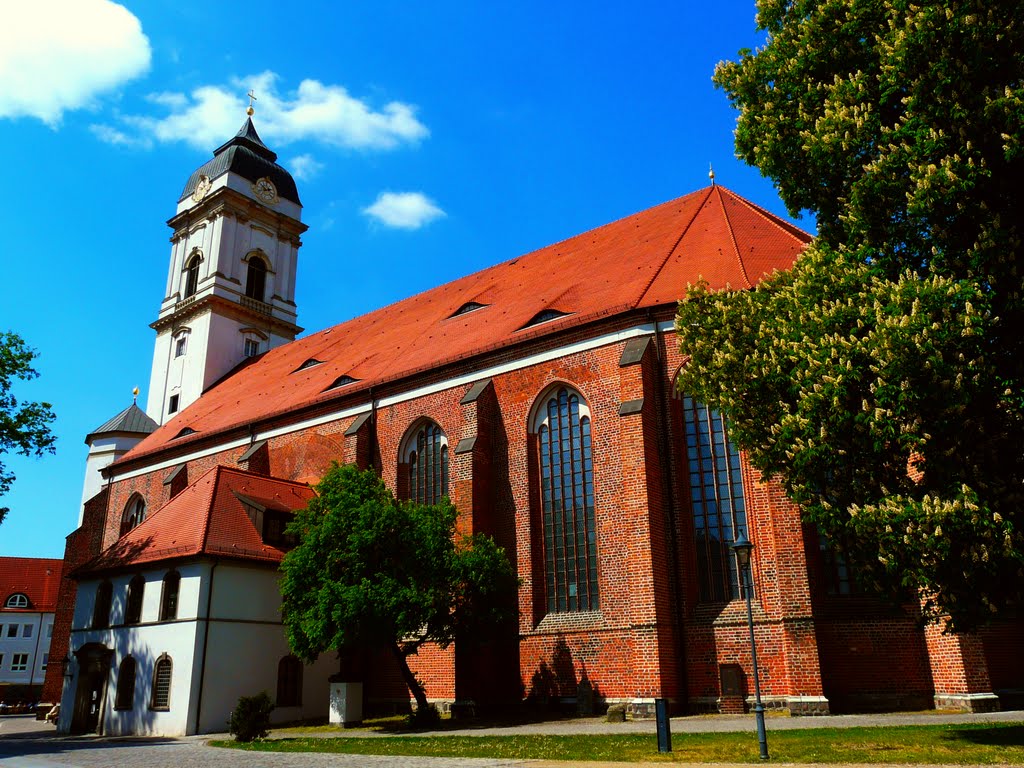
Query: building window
<point x="256" y="279"/>
<point x="26" y="630"/>
<point x="161" y="684"/>
<point x="125" y="696"/>
<point x="192" y="275"/>
<point x="172" y="404"/>
<point x="49" y="631"/>
<point x="133" y="604"/>
<point x="839" y="578"/>
<point x="19" y="662"/>
<point x="17" y="600"/>
<point x="169" y="598"/>
<point x="274" y="524"/>
<point x="134" y="513"/>
<point x="289" y="682"/>
<point x="46" y="661"/>
<point x="12" y="630"/>
<point x="567" y="499"/>
<point x="180" y="345"/>
<point x="252" y="347"/>
<point x="427" y="458"/>
<point x="1" y="660"/>
<point x="716" y="499"/>
<point x="101" y="608"/>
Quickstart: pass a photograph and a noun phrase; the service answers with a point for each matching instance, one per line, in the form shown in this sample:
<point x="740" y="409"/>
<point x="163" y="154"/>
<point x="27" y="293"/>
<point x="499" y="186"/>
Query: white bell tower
<point x="231" y="285"/>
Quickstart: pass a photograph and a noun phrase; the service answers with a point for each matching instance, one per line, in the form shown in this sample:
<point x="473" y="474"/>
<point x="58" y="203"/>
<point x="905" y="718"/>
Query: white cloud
<point x="304" y="167"/>
<point x="117" y="138"/>
<point x="404" y="210"/>
<point x="60" y="55"/>
<point x="314" y="111"/>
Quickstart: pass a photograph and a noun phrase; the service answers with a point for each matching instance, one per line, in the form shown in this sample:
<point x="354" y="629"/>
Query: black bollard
<point x="664" y="725"/>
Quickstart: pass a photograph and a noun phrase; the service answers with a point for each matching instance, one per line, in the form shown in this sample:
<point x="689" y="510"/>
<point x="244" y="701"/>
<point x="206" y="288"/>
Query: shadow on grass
<point x="995" y="736"/>
<point x="504" y="720"/>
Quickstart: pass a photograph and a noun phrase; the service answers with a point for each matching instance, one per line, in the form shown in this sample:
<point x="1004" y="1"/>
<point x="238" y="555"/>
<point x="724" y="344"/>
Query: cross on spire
<point x="252" y="97"/>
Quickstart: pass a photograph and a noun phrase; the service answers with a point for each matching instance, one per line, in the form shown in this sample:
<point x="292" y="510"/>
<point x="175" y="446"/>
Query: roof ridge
<point x="656" y="272"/>
<point x="732" y="237"/>
<point x="213" y="502"/>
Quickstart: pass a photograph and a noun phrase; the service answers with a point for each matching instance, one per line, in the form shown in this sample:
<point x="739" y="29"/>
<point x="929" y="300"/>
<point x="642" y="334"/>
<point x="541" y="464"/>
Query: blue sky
<point x="428" y="140"/>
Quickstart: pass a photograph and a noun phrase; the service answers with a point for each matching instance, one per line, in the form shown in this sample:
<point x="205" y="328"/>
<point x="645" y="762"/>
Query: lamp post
<point x="742" y="547"/>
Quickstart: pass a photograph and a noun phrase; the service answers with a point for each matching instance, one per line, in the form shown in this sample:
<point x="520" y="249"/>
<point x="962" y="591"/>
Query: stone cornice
<point x="229" y="203"/>
<point x="226" y="308"/>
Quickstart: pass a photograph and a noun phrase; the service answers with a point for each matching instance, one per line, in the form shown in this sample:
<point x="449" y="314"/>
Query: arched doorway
<point x="93" y="673"/>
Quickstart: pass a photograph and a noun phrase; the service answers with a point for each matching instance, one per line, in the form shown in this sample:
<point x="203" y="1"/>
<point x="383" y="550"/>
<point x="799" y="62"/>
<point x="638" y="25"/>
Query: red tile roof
<point x="36" y="578"/>
<point x="207" y="518"/>
<point x="645" y="260"/>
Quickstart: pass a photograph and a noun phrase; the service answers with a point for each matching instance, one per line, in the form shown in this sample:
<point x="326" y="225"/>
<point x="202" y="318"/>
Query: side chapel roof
<point x="642" y="261"/>
<point x="36" y="578"/>
<point x="206" y="518"/>
<point x="132" y="420"/>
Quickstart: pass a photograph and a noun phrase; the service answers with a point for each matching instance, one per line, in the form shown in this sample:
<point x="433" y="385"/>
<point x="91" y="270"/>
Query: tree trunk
<point x="410" y="679"/>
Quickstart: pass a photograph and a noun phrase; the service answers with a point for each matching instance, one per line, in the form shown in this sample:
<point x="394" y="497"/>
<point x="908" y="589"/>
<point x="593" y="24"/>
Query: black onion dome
<point x="247" y="156"/>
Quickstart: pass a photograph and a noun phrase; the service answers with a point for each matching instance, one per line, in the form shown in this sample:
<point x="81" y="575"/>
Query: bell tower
<point x="231" y="284"/>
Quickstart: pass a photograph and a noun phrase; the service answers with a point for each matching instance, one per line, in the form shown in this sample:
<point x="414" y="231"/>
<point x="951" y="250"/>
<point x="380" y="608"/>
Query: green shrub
<point x="250" y="718"/>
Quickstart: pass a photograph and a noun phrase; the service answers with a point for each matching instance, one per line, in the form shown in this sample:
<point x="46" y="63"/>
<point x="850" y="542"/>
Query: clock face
<point x="265" y="190"/>
<point x="202" y="188"/>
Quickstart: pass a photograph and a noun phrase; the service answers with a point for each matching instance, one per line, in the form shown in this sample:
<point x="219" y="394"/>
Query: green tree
<point x="374" y="572"/>
<point x="881" y="379"/>
<point x="24" y="427"/>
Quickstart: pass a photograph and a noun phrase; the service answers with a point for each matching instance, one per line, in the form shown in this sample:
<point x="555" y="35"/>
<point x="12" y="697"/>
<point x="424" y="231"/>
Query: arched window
<point x="169" y="596"/>
<point x="427" y="457"/>
<point x="125" y="696"/>
<point x="161" y="698"/>
<point x="256" y="279"/>
<point x="133" y="605"/>
<point x="289" y="682"/>
<point x="101" y="608"/>
<point x="566" y="465"/>
<point x="17" y="600"/>
<point x="192" y="275"/>
<point x="134" y="513"/>
<point x="716" y="499"/>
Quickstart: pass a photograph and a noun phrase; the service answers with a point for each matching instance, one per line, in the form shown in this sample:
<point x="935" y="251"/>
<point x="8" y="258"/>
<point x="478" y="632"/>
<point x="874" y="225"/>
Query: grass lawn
<point x="982" y="743"/>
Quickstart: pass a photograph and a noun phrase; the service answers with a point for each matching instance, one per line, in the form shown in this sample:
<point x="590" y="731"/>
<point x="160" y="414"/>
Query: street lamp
<point x="742" y="547"/>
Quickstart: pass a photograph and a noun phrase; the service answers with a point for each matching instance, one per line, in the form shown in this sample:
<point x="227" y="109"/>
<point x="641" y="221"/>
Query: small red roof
<point x="207" y="518"/>
<point x="642" y="261"/>
<point x="36" y="578"/>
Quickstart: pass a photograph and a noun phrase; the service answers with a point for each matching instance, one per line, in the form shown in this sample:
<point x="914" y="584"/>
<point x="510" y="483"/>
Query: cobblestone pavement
<point x="27" y="743"/>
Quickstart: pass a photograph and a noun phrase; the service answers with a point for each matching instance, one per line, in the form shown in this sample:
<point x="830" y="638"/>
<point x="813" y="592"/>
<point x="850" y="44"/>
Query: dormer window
<point x="469" y="306"/>
<point x="545" y="316"/>
<point x="184" y="433"/>
<point x="311" y="363"/>
<point x="17" y="600"/>
<point x="342" y="381"/>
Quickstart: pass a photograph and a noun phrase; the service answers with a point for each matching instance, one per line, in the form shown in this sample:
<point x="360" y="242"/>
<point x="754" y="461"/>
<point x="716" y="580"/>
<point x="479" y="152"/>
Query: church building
<point x="540" y="396"/>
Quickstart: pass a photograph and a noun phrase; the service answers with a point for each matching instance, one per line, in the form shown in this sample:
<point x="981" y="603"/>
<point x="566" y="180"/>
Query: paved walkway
<point x="28" y="743"/>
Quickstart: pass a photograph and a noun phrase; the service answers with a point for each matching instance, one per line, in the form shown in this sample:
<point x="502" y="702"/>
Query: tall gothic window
<point x="567" y="498"/>
<point x="134" y="513"/>
<point x="161" y="698"/>
<point x="256" y="279"/>
<point x="428" y="465"/>
<point x="192" y="275"/>
<point x="133" y="605"/>
<point x="125" y="695"/>
<point x="716" y="499"/>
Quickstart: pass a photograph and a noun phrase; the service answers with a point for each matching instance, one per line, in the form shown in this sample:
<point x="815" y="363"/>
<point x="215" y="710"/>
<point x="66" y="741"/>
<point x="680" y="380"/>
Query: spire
<point x="711" y="174"/>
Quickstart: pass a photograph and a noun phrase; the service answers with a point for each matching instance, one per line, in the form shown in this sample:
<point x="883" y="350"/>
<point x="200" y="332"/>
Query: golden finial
<point x="135" y="395"/>
<point x="252" y="97"/>
<point x="711" y="174"/>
